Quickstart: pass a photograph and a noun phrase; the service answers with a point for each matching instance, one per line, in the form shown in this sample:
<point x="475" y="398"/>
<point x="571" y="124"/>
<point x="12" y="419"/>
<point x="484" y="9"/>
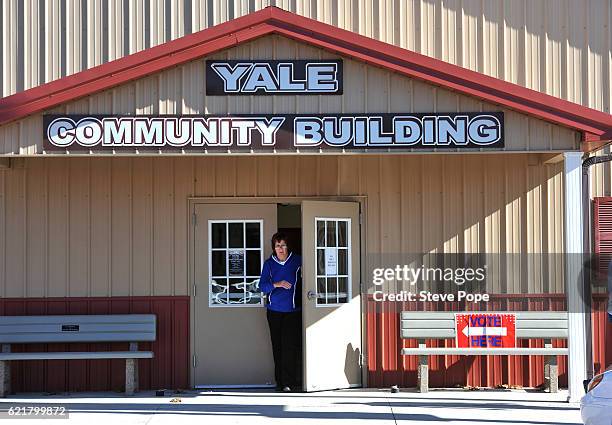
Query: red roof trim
<point x="595" y="125"/>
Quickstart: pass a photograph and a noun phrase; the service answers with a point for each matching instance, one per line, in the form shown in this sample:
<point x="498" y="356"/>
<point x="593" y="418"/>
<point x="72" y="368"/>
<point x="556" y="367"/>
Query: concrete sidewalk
<point x="365" y="406"/>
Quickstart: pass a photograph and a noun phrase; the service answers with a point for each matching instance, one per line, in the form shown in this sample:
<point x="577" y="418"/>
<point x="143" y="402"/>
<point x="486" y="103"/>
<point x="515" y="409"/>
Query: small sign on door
<point x="331" y="261"/>
<point x="236" y="262"/>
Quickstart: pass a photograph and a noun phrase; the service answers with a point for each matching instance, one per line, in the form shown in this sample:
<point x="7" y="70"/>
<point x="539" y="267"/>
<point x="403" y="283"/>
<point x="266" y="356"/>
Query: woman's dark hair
<point x="277" y="237"/>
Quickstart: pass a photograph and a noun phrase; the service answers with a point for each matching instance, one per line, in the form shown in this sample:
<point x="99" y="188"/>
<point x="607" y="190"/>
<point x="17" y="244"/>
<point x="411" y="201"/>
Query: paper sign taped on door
<point x="331" y="261"/>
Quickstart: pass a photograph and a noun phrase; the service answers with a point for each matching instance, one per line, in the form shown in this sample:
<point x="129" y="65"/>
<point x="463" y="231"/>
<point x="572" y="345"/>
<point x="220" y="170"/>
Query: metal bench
<point x="131" y="328"/>
<point x="422" y="325"/>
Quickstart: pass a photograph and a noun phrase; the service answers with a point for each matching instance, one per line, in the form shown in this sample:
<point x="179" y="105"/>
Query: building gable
<point x="367" y="89"/>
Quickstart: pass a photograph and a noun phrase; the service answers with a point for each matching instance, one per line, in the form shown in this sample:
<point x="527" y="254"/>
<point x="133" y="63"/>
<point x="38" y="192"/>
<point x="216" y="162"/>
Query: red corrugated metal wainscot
<point x="169" y="368"/>
<point x="386" y="366"/>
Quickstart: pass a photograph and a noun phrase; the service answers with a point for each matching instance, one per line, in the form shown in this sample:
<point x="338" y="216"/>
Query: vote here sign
<point x="485" y="330"/>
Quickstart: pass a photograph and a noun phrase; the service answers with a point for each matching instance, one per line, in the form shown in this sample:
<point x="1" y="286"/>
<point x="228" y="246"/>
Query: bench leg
<point x="551" y="374"/>
<point x="5" y="378"/>
<point x="5" y="373"/>
<point x="551" y="370"/>
<point x="131" y="376"/>
<point x="423" y="375"/>
<point x="131" y="372"/>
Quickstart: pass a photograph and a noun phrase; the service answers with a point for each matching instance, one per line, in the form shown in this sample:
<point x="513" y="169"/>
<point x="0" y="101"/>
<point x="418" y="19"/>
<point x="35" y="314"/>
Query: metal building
<point x="129" y="227"/>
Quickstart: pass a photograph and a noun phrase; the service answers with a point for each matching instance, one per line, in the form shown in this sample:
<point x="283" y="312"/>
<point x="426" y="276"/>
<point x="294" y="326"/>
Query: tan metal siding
<point x="119" y="226"/>
<point x="561" y="47"/>
<point x="100" y="227"/>
<point x="74" y="22"/>
<point x="52" y="37"/>
<point x="601" y="176"/>
<point x="57" y="227"/>
<point x="79" y="237"/>
<point x="367" y="89"/>
<point x="15" y="216"/>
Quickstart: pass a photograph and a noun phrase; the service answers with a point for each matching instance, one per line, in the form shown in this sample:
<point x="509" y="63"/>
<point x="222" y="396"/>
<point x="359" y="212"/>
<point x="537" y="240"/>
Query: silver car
<point x="596" y="405"/>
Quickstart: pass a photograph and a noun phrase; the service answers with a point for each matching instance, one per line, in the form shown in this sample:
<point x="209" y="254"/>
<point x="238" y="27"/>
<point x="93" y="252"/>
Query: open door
<point x="331" y="297"/>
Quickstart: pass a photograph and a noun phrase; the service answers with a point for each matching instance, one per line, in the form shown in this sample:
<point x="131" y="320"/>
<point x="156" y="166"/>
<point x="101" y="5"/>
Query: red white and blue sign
<point x="485" y="330"/>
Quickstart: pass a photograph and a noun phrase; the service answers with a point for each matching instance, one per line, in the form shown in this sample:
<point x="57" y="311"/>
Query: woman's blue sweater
<point x="281" y="299"/>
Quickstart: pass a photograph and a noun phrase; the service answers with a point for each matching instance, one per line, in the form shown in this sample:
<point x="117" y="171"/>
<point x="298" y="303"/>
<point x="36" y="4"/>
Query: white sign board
<point x="331" y="261"/>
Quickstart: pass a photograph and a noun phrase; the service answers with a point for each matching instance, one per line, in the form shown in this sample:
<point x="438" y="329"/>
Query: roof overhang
<point x="595" y="126"/>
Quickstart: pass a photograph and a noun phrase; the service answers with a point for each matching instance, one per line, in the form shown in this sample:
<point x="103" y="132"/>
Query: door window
<point x="333" y="268"/>
<point x="235" y="262"/>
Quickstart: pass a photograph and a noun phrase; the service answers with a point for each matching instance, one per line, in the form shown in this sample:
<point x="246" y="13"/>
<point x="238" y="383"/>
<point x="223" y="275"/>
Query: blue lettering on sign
<point x="485" y="341"/>
<point x="485" y="321"/>
<point x="478" y="341"/>
<point x="478" y="321"/>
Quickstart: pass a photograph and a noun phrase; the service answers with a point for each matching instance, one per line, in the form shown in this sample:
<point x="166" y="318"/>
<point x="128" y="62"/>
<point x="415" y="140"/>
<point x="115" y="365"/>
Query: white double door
<point x="231" y="342"/>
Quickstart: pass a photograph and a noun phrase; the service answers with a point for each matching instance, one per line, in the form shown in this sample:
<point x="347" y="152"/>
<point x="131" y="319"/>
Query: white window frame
<point x="349" y="249"/>
<point x="260" y="221"/>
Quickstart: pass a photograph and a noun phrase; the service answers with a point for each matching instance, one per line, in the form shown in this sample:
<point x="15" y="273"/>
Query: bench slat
<point x="80" y="318"/>
<point x="78" y="355"/>
<point x="426" y="324"/>
<point x="83" y="327"/>
<point x="77" y="328"/>
<point x="542" y="333"/>
<point x="520" y="315"/>
<point x="542" y="324"/>
<point x="450" y="324"/>
<point x="69" y="337"/>
<point x="441" y="324"/>
<point x="436" y="351"/>
<point x="427" y="333"/>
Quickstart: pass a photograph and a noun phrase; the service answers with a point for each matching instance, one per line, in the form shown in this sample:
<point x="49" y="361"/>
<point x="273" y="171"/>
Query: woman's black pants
<point x="286" y="335"/>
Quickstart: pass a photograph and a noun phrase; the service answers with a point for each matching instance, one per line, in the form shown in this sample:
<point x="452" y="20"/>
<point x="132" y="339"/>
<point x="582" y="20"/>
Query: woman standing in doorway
<point x="281" y="280"/>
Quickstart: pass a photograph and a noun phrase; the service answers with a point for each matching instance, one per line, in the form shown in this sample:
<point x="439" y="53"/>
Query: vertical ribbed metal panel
<point x="600" y="176"/>
<point x="10" y="22"/>
<point x="52" y="39"/>
<point x="99" y="226"/>
<point x="75" y="43"/>
<point x="95" y="33"/>
<point x="31" y="39"/>
<point x="558" y="47"/>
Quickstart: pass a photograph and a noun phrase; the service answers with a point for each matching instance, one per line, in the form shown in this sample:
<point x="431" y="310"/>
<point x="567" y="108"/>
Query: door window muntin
<point x="331" y="238"/>
<point x="227" y="278"/>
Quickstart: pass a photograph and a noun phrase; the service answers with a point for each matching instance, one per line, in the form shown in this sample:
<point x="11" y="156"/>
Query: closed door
<point x="231" y="337"/>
